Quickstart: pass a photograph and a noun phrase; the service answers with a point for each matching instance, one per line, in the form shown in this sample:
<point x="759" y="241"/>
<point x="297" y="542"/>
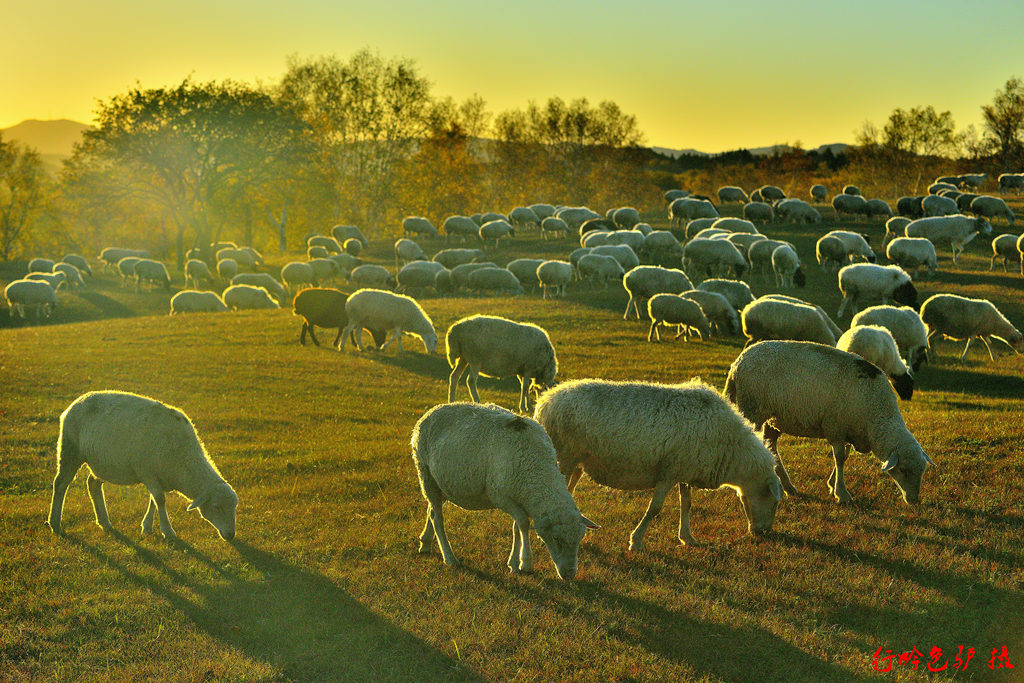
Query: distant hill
<point x="52" y="139"/>
<point x="836" y="147"/>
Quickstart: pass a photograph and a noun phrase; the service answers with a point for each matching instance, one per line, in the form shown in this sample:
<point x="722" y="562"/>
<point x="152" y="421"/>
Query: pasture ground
<point x="324" y="582"/>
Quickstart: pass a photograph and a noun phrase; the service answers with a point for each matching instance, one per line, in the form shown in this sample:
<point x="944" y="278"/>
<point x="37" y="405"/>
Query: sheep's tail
<point x="730" y="389"/>
<point x="452" y="348"/>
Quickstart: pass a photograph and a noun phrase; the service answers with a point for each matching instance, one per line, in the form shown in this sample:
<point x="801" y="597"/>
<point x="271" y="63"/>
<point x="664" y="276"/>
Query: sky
<point x="712" y="75"/>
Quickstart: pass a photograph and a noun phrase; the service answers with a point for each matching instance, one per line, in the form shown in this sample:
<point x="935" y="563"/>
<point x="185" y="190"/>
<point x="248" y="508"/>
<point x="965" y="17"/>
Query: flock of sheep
<point x="799" y="373"/>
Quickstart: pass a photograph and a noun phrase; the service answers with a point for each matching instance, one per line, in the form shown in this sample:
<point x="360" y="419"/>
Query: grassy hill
<point x="324" y="582"/>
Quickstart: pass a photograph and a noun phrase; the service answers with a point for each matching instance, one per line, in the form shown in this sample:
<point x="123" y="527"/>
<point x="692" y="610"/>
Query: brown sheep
<point x="323" y="307"/>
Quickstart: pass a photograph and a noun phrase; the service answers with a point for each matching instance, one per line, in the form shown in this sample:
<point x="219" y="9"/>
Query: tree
<point x="920" y="131"/>
<point x="907" y="147"/>
<point x="1004" y="123"/>
<point x="23" y="193"/>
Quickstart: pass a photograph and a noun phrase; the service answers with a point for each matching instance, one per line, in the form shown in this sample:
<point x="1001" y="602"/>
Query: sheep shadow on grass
<point x="289" y="617"/>
<point x="953" y="378"/>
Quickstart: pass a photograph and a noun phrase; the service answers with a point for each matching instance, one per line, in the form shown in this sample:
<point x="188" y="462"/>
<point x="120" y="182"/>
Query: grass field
<point x="323" y="581"/>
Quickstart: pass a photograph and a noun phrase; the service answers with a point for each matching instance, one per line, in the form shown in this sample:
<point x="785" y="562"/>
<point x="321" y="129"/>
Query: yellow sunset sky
<point x="707" y="75"/>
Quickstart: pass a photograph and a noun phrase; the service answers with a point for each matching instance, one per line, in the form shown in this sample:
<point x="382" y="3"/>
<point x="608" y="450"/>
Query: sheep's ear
<point x="889" y="464"/>
<point x="928" y="460"/>
<point x="775" y="486"/>
<point x="194" y="505"/>
<point x="589" y="524"/>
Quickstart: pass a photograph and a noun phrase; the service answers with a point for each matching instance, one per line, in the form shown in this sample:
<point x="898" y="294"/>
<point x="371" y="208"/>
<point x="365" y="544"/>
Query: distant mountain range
<point x="836" y="147"/>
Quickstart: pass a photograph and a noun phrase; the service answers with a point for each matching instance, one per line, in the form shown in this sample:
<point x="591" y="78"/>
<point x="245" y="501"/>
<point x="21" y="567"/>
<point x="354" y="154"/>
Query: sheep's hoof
<point x="843" y="497"/>
<point x="689" y="541"/>
<point x="106" y="527"/>
<point x="425" y="548"/>
<point x="637" y="547"/>
<point x="453" y="564"/>
<point x="56" y="529"/>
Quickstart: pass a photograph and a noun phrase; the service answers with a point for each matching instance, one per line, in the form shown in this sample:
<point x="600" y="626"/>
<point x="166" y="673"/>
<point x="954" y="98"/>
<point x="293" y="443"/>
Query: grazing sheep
<point x="460" y="273"/>
<point x="963" y="201"/>
<point x="797" y="211"/>
<point x="197" y="271"/>
<point x="688" y="208"/>
<point x="72" y="276"/>
<point x="331" y="244"/>
<point x="415" y="277"/>
<point x="672" y="195"/>
<point x="595" y="238"/>
<point x="731" y="224"/>
<point x="600" y="269"/>
<point x="622" y="253"/>
<point x="771" y="193"/>
<point x="829" y="323"/>
<point x="786" y="265"/>
<point x="770" y="318"/>
<point x="295" y="275"/>
<point x="194" y="301"/>
<point x="321" y="307"/>
<point x="79" y="262"/>
<point x="672" y="309"/>
<point x="697" y="226"/>
<point x="126" y="267"/>
<point x="911" y="253"/>
<point x="542" y="211"/>
<point x="498" y="347"/>
<point x="819" y="193"/>
<point x="406" y="250"/>
<point x="248" y="297"/>
<point x="633" y="239"/>
<point x="625" y="217"/>
<point x="643" y="282"/>
<point x="660" y="246"/>
<point x="40" y="265"/>
<point x="316" y="252"/>
<point x="958" y="230"/>
<point x="875" y="344"/>
<point x="714" y="258"/>
<point x="852" y="190"/>
<point x="495" y="230"/>
<point x="492" y="279"/>
<point x="731" y="193"/>
<point x="938" y="186"/>
<point x="718" y="310"/>
<point x="443" y="282"/>
<point x="111" y="256"/>
<point x="1011" y="181"/>
<point x="934" y="205"/>
<point x="552" y="225"/>
<point x="373" y="276"/>
<point x="244" y="259"/>
<point x="603" y="224"/>
<point x="760" y="255"/>
<point x="54" y="280"/>
<point x="164" y="454"/>
<point x="264" y="280"/>
<point x="737" y="292"/>
<point x="1004" y="246"/>
<point x="523" y="218"/>
<point x="22" y="294"/>
<point x="227" y="268"/>
<point x="831" y="253"/>
<point x="894" y="227"/>
<point x="324" y="270"/>
<point x="576" y="216"/>
<point x="758" y="212"/>
<point x="418" y="225"/>
<point x="482" y="457"/>
<point x="638" y="435"/>
<point x="958" y="317"/>
<point x="878" y="207"/>
<point x="850" y="204"/>
<point x="575" y="256"/>
<point x="906" y="327"/>
<point x="148" y="270"/>
<point x="991" y="207"/>
<point x="449" y="258"/>
<point x="862" y="282"/>
<point x="376" y="309"/>
<point x="742" y="241"/>
<point x="352" y="246"/>
<point x="910" y="207"/>
<point x="554" y="275"/>
<point x="346" y="232"/>
<point x="755" y="197"/>
<point x="810" y="390"/>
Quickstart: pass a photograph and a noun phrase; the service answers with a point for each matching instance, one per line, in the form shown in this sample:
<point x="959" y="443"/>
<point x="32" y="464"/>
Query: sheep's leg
<point x="574" y="478"/>
<point x="836" y="482"/>
<point x="521" y="523"/>
<point x="685" y="537"/>
<point x="474" y="375"/>
<point x="843" y="305"/>
<point x="158" y="498"/>
<point x="653" y="330"/>
<point x="771" y="437"/>
<point x="455" y="377"/>
<point x="988" y="346"/>
<point x="992" y="263"/>
<point x="147" y="520"/>
<point x="517" y="544"/>
<point x="967" y="346"/>
<point x="437" y="520"/>
<point x="99" y="503"/>
<point x="636" y="539"/>
<point x="524" y="390"/>
<point x="632" y="303"/>
<point x="67" y="468"/>
<point x="357" y="335"/>
<point x="428" y="536"/>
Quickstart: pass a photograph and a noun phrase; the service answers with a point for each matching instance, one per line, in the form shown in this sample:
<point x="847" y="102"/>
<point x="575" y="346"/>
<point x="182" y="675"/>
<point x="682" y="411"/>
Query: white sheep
<point x="894" y="227"/>
<point x="55" y="280"/>
<point x="523" y="218"/>
<point x="829" y="323"/>
<point x="317" y="252"/>
<point x="732" y="224"/>
<point x="406" y="250"/>
<point x="850" y="204"/>
<point x="878" y="207"/>
<point x="906" y="327"/>
<point x="295" y="275"/>
<point x="688" y="208"/>
<point x="126" y="267"/>
<point x="22" y="294"/>
<point x="713" y="258"/>
<point x="718" y="310"/>
<point x="875" y="344"/>
<point x="148" y="270"/>
<point x="78" y="261"/>
<point x="416" y="276"/>
<point x="742" y="241"/>
<point x="772" y="318"/>
<point x="660" y="246"/>
<point x="991" y="207"/>
<point x="372" y="275"/>
<point x="644" y="282"/>
<point x="376" y="309"/>
<point x="498" y="347"/>
<point x="731" y="193"/>
<point x="936" y="205"/>
<point x="860" y="282"/>
<point x="957" y="230"/>
<point x="625" y="217"/>
<point x="346" y="263"/>
<point x="819" y="193"/>
<point x="112" y="255"/>
<point x="634" y="239"/>
<point x="495" y="230"/>
<point x="811" y="390"/>
<point x="228" y="268"/>
<point x="794" y="210"/>
<point x="248" y="297"/>
<point x="638" y="435"/>
<point x="72" y="275"/>
<point x="347" y="232"/>
<point x="331" y="244"/>
<point x="958" y="317"/>
<point x="622" y="253"/>
<point x="758" y="211"/>
<point x="600" y="269"/>
<point x="595" y="238"/>
<point x="672" y="309"/>
<point x="737" y="292"/>
<point x="770" y="193"/>
<point x="1005" y="247"/>
<point x="553" y="226"/>
<point x="542" y="211"/>
<point x="1011" y="181"/>
<point x="418" y="225"/>
<point x="913" y="253"/>
<point x="831" y="253"/>
<point x="197" y="271"/>
<point x="554" y="275"/>
<point x="40" y="265"/>
<point x="760" y="255"/>
<point x="194" y="301"/>
<point x="696" y="226"/>
<point x="493" y="279"/>
<point x="851" y="190"/>
<point x="855" y="243"/>
<point x="163" y="453"/>
<point x="786" y="265"/>
<point x="325" y="269"/>
<point x="482" y="457"/>
<point x="264" y="280"/>
<point x="450" y="258"/>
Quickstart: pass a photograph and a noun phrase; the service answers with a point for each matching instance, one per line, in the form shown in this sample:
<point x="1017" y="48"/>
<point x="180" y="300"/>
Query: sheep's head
<point x="760" y="502"/>
<point x="904" y="386"/>
<point x="430" y="342"/>
<point x="983" y="226"/>
<point x="906" y="294"/>
<point x="907" y="469"/>
<point x="799" y="279"/>
<point x="1015" y="340"/>
<point x="562" y="538"/>
<point x="217" y="506"/>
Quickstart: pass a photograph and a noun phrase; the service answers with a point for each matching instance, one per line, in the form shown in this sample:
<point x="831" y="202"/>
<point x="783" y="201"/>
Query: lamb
<point x="375" y="276"/>
<point x="831" y="253"/>
<point x="958" y="317"/>
<point x="644" y="282"/>
<point x="958" y="230"/>
<point x="164" y="453"/>
<point x="718" y="310"/>
<point x="875" y="344"/>
<point x="599" y="269"/>
<point x="737" y="292"/>
<point x="906" y="327"/>
<point x="322" y="307"/>
<point x="638" y="435"/>
<point x="40" y="265"/>
<point x="711" y="258"/>
<point x="264" y="280"/>
<point x="622" y="253"/>
<point x="324" y="269"/>
<point x="379" y="310"/>
<point x="819" y="193"/>
<point x="866" y="281"/>
<point x="197" y="271"/>
<point x="450" y="258"/>
<point x="194" y="301"/>
<point x="913" y="253"/>
<point x="484" y="457"/>
<point x="1004" y="246"/>
<point x="22" y="294"/>
<point x="295" y="275"/>
<point x="554" y="275"/>
<point x="850" y="204"/>
<point x="810" y="390"/>
<point x="498" y="347"/>
<point x="552" y="225"/>
<point x="494" y="279"/>
<point x="934" y="205"/>
<point x="79" y="262"/>
<point x="730" y="193"/>
<point x="769" y="318"/>
<point x="345" y="232"/>
<point x="72" y="276"/>
<point x="331" y="244"/>
<point x="148" y="270"/>
<point x="418" y="225"/>
<point x="248" y="297"/>
<point x="625" y="217"/>
<point x="495" y="230"/>
<point x="672" y="309"/>
<point x="786" y="265"/>
<point x="992" y="207"/>
<point x="226" y="268"/>
<point x="758" y="211"/>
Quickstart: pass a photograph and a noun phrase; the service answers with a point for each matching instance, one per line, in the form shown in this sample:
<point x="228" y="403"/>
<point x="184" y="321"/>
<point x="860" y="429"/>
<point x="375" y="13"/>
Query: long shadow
<point x="109" y="307"/>
<point x="291" y="618"/>
<point x="954" y="379"/>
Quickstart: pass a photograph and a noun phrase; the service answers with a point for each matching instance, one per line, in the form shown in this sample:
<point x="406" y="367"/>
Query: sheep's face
<point x="759" y="505"/>
<point x="562" y="539"/>
<point x="906" y="294"/>
<point x="907" y="472"/>
<point x="904" y="386"/>
<point x="1016" y="341"/>
<point x="218" y="508"/>
<point x="430" y="342"/>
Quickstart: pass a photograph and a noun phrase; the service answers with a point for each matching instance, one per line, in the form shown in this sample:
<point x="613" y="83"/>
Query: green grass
<point x="324" y="581"/>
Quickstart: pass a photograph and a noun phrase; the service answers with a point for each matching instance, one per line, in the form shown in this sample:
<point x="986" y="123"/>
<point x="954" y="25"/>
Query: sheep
<point x="755" y="197"/>
<point x="443" y="282"/>
<point x="522" y="218"/>
<point x="604" y="224"/>
<point x="938" y="186"/>
<point x="831" y="253"/>
<point x="148" y="270"/>
<point x="295" y="275"/>
<point x="194" y="301"/>
<point x="639" y="435"/>
<point x="718" y="310"/>
<point x="22" y="294"/>
<point x="54" y="280"/>
<point x="878" y="207"/>
<point x="688" y="208"/>
<point x="197" y="271"/>
<point x="737" y="292"/>
<point x="810" y="390"/>
<point x="264" y="280"/>
<point x="415" y="277"/>
<point x="633" y="239"/>
<point x="352" y="246"/>
<point x="672" y="195"/>
<point x="1011" y="181"/>
<point x="495" y="230"/>
<point x="760" y="255"/>
<point x="595" y="238"/>
<point x="575" y="216"/>
<point x="911" y="253"/>
<point x="696" y="226"/>
<point x="72" y="276"/>
<point x="126" y="267"/>
<point x="345" y="232"/>
<point x="227" y="268"/>
<point x="829" y="323"/>
<point x="672" y="309"/>
<point x="599" y="269"/>
<point x="324" y="269"/>
<point x="40" y="265"/>
<point x="786" y="265"/>
<point x="79" y="262"/>
<point x="934" y="205"/>
<point x="112" y="255"/>
<point x="247" y="297"/>
<point x="758" y="211"/>
<point x="771" y="193"/>
<point x="418" y="225"/>
<point x="742" y="241"/>
<point x="374" y="276"/>
<point x="660" y="246"/>
<point x="963" y="201"/>
<point x="494" y="280"/>
<point x="991" y="207"/>
<point x="406" y="250"/>
<point x="906" y="327"/>
<point x="852" y="190"/>
<point x="1004" y="246"/>
<point x="492" y="216"/>
<point x="730" y="193"/>
<point x="322" y="307"/>
<point x="875" y="344"/>
<point x="769" y="318"/>
<point x="163" y="453"/>
<point x="866" y="281"/>
<point x="481" y="457"/>
<point x="376" y="309"/>
<point x="575" y="256"/>
<point x="460" y="273"/>
<point x="856" y="244"/>
<point x="498" y="347"/>
<point x="243" y="258"/>
<point x="958" y="317"/>
<point x="622" y="253"/>
<point x="910" y="207"/>
<point x="894" y="227"/>
<point x="542" y="210"/>
<point x="644" y="282"/>
<point x="255" y="256"/>
<point x="797" y="211"/>
<point x="735" y="225"/>
<point x="974" y="180"/>
<point x="851" y="204"/>
<point x="554" y="275"/>
<point x="711" y="258"/>
<point x="450" y="258"/>
<point x="958" y="230"/>
<point x="819" y="193"/>
<point x="330" y="244"/>
<point x="316" y="252"/>
<point x="552" y="225"/>
<point x="625" y="217"/>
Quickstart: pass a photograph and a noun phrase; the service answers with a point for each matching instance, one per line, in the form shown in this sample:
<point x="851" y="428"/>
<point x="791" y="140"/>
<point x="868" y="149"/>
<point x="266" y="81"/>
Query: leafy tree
<point x="1004" y="123"/>
<point x="906" y="148"/>
<point x="24" y="189"/>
